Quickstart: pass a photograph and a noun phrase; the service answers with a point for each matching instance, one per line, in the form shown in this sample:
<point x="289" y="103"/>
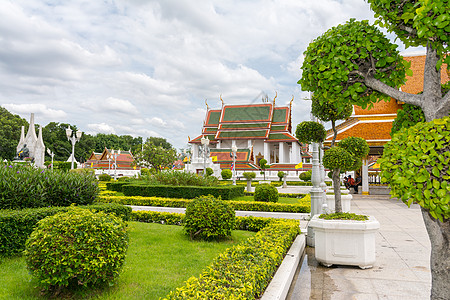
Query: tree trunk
<point x="333" y="126"/>
<point x="439" y="233"/>
<point x="432" y="87"/>
<point x="337" y="190"/>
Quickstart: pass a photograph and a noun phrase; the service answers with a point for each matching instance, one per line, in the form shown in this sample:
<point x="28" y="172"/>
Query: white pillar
<point x="267" y="152"/>
<point x="233" y="143"/>
<point x="316" y="192"/>
<point x="295" y="156"/>
<point x="218" y="144"/>
<point x="365" y="176"/>
<point x="249" y="144"/>
<point x="195" y="152"/>
<point x="281" y="152"/>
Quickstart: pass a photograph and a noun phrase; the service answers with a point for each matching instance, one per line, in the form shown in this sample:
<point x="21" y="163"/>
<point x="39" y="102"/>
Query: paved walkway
<point x="402" y="268"/>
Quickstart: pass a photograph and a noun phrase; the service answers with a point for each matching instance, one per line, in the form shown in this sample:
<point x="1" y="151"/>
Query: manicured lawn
<point x="160" y="258"/>
<point x="283" y="200"/>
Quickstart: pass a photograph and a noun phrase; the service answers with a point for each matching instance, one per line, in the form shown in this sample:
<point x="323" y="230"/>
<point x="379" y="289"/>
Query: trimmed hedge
<point x="245" y="270"/>
<point x="282" y="195"/>
<point x="116" y="185"/>
<point x="237" y="205"/>
<point x="17" y="225"/>
<point x="250" y="223"/>
<point x="186" y="192"/>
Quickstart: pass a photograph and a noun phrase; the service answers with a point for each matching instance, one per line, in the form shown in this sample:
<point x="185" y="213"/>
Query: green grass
<point x="160" y="258"/>
<point x="283" y="200"/>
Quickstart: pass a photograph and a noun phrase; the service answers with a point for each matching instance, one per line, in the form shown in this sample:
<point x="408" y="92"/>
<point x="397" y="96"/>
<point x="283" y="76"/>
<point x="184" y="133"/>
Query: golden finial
<point x="276" y="94"/>
<point x="206" y="104"/>
<point x="292" y="100"/>
<point x="221" y="99"/>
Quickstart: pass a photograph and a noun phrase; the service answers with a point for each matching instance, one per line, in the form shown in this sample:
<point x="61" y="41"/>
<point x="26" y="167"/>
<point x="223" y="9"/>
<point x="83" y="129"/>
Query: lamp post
<point x="205" y="143"/>
<point x="113" y="155"/>
<point x="73" y="137"/>
<point x="234" y="150"/>
<point x="51" y="154"/>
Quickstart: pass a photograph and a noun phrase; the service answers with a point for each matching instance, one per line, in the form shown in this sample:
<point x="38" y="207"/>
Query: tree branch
<point x="381" y="87"/>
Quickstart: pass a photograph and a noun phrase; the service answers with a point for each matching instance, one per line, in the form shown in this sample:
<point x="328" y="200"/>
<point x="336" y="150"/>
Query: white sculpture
<point x="35" y="144"/>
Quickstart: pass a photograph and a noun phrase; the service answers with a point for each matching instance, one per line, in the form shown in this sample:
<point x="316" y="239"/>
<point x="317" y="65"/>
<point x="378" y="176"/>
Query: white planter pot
<point x="345" y="242"/>
<point x="346" y="200"/>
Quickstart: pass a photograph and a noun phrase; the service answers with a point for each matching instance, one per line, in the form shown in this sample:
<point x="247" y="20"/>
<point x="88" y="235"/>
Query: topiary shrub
<point x="209" y="171"/>
<point x="280" y="175"/>
<point x="76" y="248"/>
<point x="226" y="174"/>
<point x="266" y="193"/>
<point x="104" y="177"/>
<point x="249" y="175"/>
<point x="310" y="131"/>
<point x="305" y="176"/>
<point x="208" y="218"/>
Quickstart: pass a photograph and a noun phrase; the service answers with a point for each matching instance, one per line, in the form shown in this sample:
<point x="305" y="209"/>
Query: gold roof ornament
<point x="207" y="107"/>
<point x="221" y="99"/>
<point x="276" y="94"/>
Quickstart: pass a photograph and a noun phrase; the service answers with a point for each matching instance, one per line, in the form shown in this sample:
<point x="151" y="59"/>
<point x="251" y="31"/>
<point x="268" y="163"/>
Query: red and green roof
<point x="248" y="122"/>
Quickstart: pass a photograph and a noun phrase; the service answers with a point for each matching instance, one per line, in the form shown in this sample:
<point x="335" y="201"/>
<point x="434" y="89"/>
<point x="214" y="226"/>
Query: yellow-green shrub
<point x="75" y="248"/>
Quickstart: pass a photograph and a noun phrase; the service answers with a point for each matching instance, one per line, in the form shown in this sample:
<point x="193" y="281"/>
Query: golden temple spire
<point x="276" y="94"/>
<point x="221" y="99"/>
<point x="207" y="107"/>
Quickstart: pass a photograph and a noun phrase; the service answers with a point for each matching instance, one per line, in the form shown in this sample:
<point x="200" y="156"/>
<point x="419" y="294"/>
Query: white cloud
<point x="100" y="128"/>
<point x="40" y="110"/>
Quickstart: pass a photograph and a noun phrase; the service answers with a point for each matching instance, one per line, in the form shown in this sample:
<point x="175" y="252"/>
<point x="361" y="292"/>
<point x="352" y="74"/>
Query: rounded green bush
<point x="310" y="131"/>
<point x="337" y="157"/>
<point x="356" y="146"/>
<point x="209" y="171"/>
<point x="305" y="176"/>
<point x="266" y="193"/>
<point x="280" y="175"/>
<point x="104" y="177"/>
<point x="249" y="175"/>
<point x="78" y="247"/>
<point x="226" y="174"/>
<point x="208" y="218"/>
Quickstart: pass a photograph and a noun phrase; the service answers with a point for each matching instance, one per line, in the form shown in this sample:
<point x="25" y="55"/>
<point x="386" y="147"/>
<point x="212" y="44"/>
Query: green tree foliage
<point x="406" y="117"/>
<point x="402" y="166"/>
<point x="10" y="128"/>
<point x="159" y="141"/>
<point x="333" y="63"/>
<point x="156" y="157"/>
<point x="305" y="176"/>
<point x="310" y="132"/>
<point x="327" y="111"/>
<point x="249" y="175"/>
<point x="417" y="23"/>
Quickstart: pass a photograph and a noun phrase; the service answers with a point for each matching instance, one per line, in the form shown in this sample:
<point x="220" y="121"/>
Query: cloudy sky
<point x="145" y="68"/>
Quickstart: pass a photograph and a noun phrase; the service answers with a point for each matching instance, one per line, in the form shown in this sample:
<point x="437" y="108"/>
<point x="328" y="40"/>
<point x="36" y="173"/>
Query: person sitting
<point x="350" y="182"/>
<point x="347" y="186"/>
<point x="357" y="183"/>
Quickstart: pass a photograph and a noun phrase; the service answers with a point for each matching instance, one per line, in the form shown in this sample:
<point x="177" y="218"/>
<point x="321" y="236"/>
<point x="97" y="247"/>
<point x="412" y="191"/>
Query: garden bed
<point x="160" y="258"/>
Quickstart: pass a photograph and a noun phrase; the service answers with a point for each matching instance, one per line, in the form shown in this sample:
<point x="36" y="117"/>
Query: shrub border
<point x="176" y="202"/>
<point x="17" y="225"/>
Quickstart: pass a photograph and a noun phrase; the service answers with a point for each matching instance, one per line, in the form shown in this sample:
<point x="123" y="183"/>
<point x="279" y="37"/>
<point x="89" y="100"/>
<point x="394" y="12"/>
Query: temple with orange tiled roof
<point x="257" y="131"/>
<point x="375" y="125"/>
<point x="104" y="163"/>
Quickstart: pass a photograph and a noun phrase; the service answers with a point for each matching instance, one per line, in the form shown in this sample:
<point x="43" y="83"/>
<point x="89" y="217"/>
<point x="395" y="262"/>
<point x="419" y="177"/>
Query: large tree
<point x="356" y="61"/>
<point x="156" y="156"/>
<point x="10" y="128"/>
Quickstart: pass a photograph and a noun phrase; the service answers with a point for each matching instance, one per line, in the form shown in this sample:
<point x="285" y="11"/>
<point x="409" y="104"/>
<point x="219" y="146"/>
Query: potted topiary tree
<point x="263" y="166"/>
<point x="249" y="176"/>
